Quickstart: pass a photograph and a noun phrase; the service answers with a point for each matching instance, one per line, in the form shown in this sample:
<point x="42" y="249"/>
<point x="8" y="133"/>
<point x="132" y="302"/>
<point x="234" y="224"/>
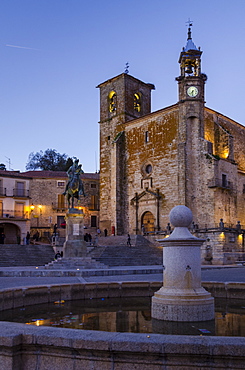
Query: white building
<point x="14" y="206"/>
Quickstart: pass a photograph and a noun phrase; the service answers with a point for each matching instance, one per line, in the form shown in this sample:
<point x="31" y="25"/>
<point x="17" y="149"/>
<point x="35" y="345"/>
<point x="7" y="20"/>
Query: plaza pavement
<point x="209" y="274"/>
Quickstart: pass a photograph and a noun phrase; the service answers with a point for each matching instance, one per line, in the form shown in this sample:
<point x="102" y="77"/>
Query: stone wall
<point x="222" y="247"/>
<point x="26" y="347"/>
<point x="45" y="191"/>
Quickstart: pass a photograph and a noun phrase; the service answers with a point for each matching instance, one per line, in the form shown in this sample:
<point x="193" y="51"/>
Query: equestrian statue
<point x="74" y="187"/>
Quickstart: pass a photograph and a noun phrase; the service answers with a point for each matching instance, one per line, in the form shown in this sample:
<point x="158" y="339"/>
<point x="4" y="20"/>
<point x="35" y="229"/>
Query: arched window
<point x="112" y="101"/>
<point x="137" y="102"/>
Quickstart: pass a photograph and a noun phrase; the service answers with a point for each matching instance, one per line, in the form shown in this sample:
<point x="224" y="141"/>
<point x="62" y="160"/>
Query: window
<point x="210" y="147"/>
<point x="19" y="210"/>
<point x="94" y="202"/>
<point x="60" y="221"/>
<point x="93" y="186"/>
<point x="20" y="189"/>
<point x="61" y="201"/>
<point x="93" y="221"/>
<point x="147" y="139"/>
<point x="61" y="184"/>
<point x="224" y="181"/>
<point x="112" y="101"/>
<point x="137" y="102"/>
<point x="2" y="192"/>
<point x="148" y="168"/>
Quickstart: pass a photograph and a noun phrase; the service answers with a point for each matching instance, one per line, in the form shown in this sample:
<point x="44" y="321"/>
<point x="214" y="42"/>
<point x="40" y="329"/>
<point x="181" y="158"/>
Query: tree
<point x="49" y="160"/>
<point x="2" y="166"/>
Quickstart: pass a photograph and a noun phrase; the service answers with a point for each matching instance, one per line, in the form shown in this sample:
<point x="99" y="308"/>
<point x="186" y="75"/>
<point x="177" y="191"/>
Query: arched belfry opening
<point x="112" y="100"/>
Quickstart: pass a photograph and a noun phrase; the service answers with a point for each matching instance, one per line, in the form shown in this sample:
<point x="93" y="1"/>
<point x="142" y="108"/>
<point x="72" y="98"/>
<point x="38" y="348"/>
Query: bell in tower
<point x="191" y="79"/>
<point x="190" y="58"/>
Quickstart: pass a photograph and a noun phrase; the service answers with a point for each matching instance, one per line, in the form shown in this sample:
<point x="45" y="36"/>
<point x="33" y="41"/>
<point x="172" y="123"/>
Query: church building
<point x="183" y="154"/>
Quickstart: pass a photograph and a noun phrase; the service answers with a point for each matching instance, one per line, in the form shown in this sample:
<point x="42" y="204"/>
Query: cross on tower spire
<point x="126" y="68"/>
<point x="190" y="24"/>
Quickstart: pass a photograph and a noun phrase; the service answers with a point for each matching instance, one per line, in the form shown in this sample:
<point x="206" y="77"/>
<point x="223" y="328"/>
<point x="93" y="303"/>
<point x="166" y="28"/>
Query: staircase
<point x="113" y="251"/>
<point x="75" y="263"/>
<point x="25" y="255"/>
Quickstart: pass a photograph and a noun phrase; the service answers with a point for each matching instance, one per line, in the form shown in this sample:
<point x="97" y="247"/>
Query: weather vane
<point x="126" y="68"/>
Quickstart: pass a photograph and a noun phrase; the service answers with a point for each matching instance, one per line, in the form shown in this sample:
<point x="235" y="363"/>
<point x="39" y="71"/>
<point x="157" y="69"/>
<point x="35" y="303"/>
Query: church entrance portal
<point x="148" y="222"/>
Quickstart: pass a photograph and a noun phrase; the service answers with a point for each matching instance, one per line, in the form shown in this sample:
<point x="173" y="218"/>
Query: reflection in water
<point x="128" y="315"/>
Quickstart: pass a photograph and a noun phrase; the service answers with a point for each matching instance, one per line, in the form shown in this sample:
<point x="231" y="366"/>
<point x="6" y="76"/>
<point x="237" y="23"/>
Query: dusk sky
<point x="53" y="54"/>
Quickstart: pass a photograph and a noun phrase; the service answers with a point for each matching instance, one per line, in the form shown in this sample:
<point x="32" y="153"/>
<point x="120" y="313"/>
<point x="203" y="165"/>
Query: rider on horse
<point x="74" y="172"/>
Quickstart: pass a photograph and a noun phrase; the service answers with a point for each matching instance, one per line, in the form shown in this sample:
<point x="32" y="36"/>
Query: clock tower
<point x="191" y="84"/>
<point x="191" y="80"/>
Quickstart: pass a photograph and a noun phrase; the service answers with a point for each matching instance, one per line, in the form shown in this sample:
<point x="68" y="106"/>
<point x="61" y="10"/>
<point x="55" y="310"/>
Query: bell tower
<point x="191" y="80"/>
<point x="122" y="99"/>
<point x="191" y="84"/>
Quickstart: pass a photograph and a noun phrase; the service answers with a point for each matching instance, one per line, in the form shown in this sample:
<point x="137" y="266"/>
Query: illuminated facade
<point x="14" y="206"/>
<point x="182" y="154"/>
<point x="33" y="201"/>
<point x="49" y="205"/>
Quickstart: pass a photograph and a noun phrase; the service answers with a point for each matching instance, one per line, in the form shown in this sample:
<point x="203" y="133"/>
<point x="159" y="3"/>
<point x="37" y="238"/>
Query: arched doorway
<point x="12" y="233"/>
<point x="148" y="222"/>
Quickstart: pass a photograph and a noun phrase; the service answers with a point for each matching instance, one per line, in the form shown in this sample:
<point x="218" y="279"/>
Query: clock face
<point x="192" y="91"/>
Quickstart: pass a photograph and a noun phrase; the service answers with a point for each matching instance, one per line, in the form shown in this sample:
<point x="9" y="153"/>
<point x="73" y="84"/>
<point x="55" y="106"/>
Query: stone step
<point x="75" y="264"/>
<point x="117" y="253"/>
<point x="25" y="255"/>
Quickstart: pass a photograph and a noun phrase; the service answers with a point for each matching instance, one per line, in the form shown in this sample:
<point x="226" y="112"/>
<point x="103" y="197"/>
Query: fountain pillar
<point x="182" y="297"/>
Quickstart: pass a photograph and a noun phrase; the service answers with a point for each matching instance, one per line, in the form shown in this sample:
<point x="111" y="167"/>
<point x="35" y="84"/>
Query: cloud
<point x="20" y="47"/>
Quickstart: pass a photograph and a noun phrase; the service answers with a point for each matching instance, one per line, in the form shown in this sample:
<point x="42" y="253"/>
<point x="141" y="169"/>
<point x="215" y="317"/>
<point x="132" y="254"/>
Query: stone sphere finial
<point x="180" y="216"/>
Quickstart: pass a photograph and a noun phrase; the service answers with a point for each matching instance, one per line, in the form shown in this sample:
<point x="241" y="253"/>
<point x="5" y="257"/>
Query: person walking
<point x="129" y="241"/>
<point x="2" y="238"/>
<point x="28" y="236"/>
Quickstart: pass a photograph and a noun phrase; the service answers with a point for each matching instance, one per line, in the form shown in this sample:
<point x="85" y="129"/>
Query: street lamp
<point x="40" y="209"/>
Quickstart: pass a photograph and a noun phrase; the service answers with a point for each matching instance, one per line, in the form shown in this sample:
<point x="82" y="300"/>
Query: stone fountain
<point x="182" y="298"/>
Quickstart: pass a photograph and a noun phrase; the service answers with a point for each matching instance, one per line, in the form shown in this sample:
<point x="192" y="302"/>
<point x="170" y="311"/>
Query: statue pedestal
<point x="74" y="246"/>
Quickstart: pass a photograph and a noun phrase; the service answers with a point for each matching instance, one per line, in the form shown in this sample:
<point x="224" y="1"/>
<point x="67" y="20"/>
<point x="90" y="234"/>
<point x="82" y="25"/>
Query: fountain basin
<point x="27" y="346"/>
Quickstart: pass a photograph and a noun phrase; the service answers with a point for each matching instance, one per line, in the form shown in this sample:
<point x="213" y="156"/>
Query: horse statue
<point x="74" y="186"/>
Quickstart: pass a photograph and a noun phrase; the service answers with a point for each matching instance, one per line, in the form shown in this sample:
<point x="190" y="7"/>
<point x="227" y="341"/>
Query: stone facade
<point x="49" y="206"/>
<point x="14" y="206"/>
<point x="33" y="201"/>
<point x="183" y="154"/>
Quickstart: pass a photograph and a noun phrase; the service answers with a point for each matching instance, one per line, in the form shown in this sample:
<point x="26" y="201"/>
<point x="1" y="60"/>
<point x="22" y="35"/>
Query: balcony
<point x="220" y="183"/>
<point x="6" y="213"/>
<point x="93" y="206"/>
<point x="20" y="193"/>
<point x="59" y="207"/>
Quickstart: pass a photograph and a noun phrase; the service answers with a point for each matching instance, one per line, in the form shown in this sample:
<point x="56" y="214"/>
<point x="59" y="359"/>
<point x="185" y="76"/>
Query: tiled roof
<point x="59" y="174"/>
<point x="46" y="174"/>
<point x="18" y="174"/>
